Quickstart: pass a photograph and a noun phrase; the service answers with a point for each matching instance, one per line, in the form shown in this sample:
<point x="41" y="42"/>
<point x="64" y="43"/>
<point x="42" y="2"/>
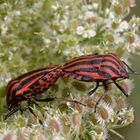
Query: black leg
<point x="59" y="100"/>
<point x="93" y="90"/>
<point x="120" y="88"/>
<point x="98" y="101"/>
<point x="21" y="110"/>
<point x="68" y="100"/>
<point x="105" y="84"/>
<point x="31" y="110"/>
<point x="45" y="100"/>
<point x="11" y="112"/>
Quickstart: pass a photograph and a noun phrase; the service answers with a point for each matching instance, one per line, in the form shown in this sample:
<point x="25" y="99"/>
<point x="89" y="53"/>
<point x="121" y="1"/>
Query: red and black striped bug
<point x="28" y="85"/>
<point x="98" y="68"/>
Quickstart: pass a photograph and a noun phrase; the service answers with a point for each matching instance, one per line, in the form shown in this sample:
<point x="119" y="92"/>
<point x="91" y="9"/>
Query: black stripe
<point x="24" y="82"/>
<point x="118" y="66"/>
<point x="90" y="62"/>
<point x="44" y="79"/>
<point x="94" y="70"/>
<point x="38" y="70"/>
<point x="30" y="73"/>
<point x="11" y="85"/>
<point x="84" y="57"/>
<point x="112" y="69"/>
<point x="98" y="61"/>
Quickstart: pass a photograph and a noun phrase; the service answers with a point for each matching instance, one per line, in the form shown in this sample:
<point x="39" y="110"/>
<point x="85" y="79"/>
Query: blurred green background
<point x="132" y="132"/>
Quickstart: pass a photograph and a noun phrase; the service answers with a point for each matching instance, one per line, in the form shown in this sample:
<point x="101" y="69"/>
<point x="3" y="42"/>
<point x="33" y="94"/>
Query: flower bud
<point x="118" y="9"/>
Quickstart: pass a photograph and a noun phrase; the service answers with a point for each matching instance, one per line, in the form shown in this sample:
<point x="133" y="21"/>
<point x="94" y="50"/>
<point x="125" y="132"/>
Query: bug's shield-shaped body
<point x="95" y="68"/>
<point x="26" y="86"/>
<point x="98" y="68"/>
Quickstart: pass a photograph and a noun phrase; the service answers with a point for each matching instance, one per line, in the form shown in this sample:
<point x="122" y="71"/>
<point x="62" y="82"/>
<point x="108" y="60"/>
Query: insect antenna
<point x="131" y="70"/>
<point x="12" y="112"/>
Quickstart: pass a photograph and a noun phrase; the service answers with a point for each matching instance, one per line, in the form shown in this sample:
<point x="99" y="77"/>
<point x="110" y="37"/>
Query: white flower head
<point x="111" y="15"/>
<point x="102" y="135"/>
<point x="123" y="26"/>
<point x="55" y="6"/>
<point x="47" y="41"/>
<point x="105" y="113"/>
<point x="89" y="33"/>
<point x="80" y="30"/>
<point x="89" y="6"/>
<point x="95" y="5"/>
<point x="4" y="29"/>
<point x="17" y="13"/>
<point x="127" y="115"/>
<point x="89" y="14"/>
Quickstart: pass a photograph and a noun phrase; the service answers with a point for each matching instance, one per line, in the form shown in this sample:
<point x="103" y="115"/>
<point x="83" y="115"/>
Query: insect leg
<point x="98" y="101"/>
<point x="11" y="112"/>
<point x="59" y="100"/>
<point x="120" y="88"/>
<point x="31" y="110"/>
<point x="68" y="100"/>
<point x="21" y="110"/>
<point x="45" y="100"/>
<point x="105" y="84"/>
<point x="93" y="90"/>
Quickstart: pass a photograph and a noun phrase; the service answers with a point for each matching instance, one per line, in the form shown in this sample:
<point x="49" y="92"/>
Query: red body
<point x="95" y="68"/>
<point x="31" y="83"/>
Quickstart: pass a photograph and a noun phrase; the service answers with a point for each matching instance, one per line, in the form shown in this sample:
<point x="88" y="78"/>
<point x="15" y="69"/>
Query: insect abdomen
<point x="94" y="67"/>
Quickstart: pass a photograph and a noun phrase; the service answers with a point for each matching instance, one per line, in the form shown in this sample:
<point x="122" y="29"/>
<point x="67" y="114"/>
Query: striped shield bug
<point x="26" y="86"/>
<point x="98" y="68"/>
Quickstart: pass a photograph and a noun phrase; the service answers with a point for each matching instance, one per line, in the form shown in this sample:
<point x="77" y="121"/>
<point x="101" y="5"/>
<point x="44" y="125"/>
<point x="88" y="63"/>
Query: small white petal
<point x="47" y="41"/>
<point x="123" y="26"/>
<point x="80" y="30"/>
<point x="89" y="14"/>
<point x="95" y="5"/>
<point x="92" y="33"/>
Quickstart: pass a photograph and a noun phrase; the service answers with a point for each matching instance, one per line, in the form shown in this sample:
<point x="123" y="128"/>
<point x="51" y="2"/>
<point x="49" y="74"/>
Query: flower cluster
<point x="40" y="33"/>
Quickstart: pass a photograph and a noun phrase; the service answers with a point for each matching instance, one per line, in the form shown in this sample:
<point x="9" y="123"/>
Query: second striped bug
<point x="97" y="68"/>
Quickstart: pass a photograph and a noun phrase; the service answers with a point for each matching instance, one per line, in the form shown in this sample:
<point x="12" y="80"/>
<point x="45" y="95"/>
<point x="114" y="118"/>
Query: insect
<point x="28" y="85"/>
<point x="98" y="68"/>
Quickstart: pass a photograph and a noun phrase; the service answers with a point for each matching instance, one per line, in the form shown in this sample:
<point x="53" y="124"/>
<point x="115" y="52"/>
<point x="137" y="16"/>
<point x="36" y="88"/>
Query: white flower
<point x="95" y="5"/>
<point x="80" y="30"/>
<point x="89" y="34"/>
<point x="123" y="26"/>
<point x="110" y="113"/>
<point x="4" y="29"/>
<point x="132" y="3"/>
<point x="111" y="15"/>
<point x="107" y="10"/>
<point x="127" y="115"/>
<point x="89" y="14"/>
<point x="17" y="13"/>
<point x="55" y="6"/>
<point x="89" y="6"/>
<point x="47" y="41"/>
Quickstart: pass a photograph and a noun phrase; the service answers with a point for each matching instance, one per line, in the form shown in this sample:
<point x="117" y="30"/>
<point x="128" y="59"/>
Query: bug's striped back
<point x="31" y="83"/>
<point x="95" y="67"/>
